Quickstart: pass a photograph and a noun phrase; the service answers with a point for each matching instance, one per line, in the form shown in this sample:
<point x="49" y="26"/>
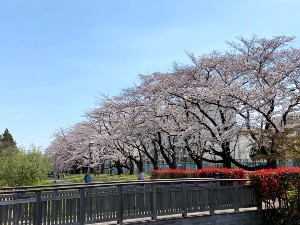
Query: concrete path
<point x="161" y="219"/>
<point x="60" y="181"/>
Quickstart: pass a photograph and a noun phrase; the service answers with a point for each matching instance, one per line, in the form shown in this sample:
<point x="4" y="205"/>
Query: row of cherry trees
<point x="221" y="99"/>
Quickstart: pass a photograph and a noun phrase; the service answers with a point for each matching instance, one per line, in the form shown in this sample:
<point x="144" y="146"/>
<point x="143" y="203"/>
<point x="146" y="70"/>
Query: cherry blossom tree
<point x="222" y="99"/>
<point x="254" y="86"/>
<point x="194" y="116"/>
<point x="267" y="90"/>
<point x="107" y="121"/>
<point x="70" y="147"/>
<point x="259" y="81"/>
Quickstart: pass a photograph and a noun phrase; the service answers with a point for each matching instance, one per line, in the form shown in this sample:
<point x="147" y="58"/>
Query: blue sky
<point x="58" y="56"/>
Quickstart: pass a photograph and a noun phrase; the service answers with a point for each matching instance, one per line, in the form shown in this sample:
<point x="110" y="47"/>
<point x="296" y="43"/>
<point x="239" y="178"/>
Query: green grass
<point x="78" y="178"/>
<point x="41" y="182"/>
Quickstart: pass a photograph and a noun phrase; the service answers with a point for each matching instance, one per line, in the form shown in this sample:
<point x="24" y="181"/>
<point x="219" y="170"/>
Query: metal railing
<point x="114" y="201"/>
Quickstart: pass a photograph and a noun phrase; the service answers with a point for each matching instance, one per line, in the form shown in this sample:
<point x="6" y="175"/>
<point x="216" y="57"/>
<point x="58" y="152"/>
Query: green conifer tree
<point x="7" y="140"/>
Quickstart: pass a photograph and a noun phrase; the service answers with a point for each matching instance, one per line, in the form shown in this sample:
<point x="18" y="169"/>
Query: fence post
<point x="54" y="208"/>
<point x="17" y="210"/>
<point x="216" y="176"/>
<point x="1" y="215"/>
<point x="183" y="199"/>
<point x="120" y="208"/>
<point x="38" y="208"/>
<point x="154" y="202"/>
<point x="212" y="198"/>
<point x="81" y="206"/>
<point x="236" y="196"/>
<point x="259" y="202"/>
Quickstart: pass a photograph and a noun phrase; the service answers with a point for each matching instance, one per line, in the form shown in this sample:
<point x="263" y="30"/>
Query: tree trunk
<point x="155" y="166"/>
<point x="226" y="154"/>
<point x="140" y="166"/>
<point x="226" y="162"/>
<point x="119" y="167"/>
<point x="198" y="161"/>
<point x="102" y="168"/>
<point x="170" y="159"/>
<point x="272" y="164"/>
<point x="131" y="167"/>
<point x="199" y="164"/>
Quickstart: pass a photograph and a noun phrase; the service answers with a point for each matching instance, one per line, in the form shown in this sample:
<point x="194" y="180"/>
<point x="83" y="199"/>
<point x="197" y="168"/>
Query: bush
<point x="224" y="173"/>
<point x="170" y="174"/>
<point x="279" y="190"/>
<point x="274" y="184"/>
<point x="21" y="168"/>
<point x="202" y="173"/>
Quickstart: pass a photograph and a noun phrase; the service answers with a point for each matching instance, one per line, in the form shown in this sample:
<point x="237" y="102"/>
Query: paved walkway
<point x="147" y="220"/>
<point x="60" y="181"/>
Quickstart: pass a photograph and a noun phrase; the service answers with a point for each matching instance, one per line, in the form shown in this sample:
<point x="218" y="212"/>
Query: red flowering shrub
<point x="224" y="173"/>
<point x="272" y="184"/>
<point x="279" y="190"/>
<point x="203" y="173"/>
<point x="170" y="174"/>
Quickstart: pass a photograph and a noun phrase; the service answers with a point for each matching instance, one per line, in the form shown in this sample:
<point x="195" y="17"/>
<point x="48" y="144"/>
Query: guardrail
<point x="114" y="201"/>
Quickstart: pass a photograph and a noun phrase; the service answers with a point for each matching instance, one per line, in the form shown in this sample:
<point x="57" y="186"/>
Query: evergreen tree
<point x="1" y="142"/>
<point x="8" y="140"/>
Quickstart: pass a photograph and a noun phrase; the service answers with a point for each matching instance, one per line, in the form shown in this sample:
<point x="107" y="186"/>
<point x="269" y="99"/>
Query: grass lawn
<point x="78" y="178"/>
